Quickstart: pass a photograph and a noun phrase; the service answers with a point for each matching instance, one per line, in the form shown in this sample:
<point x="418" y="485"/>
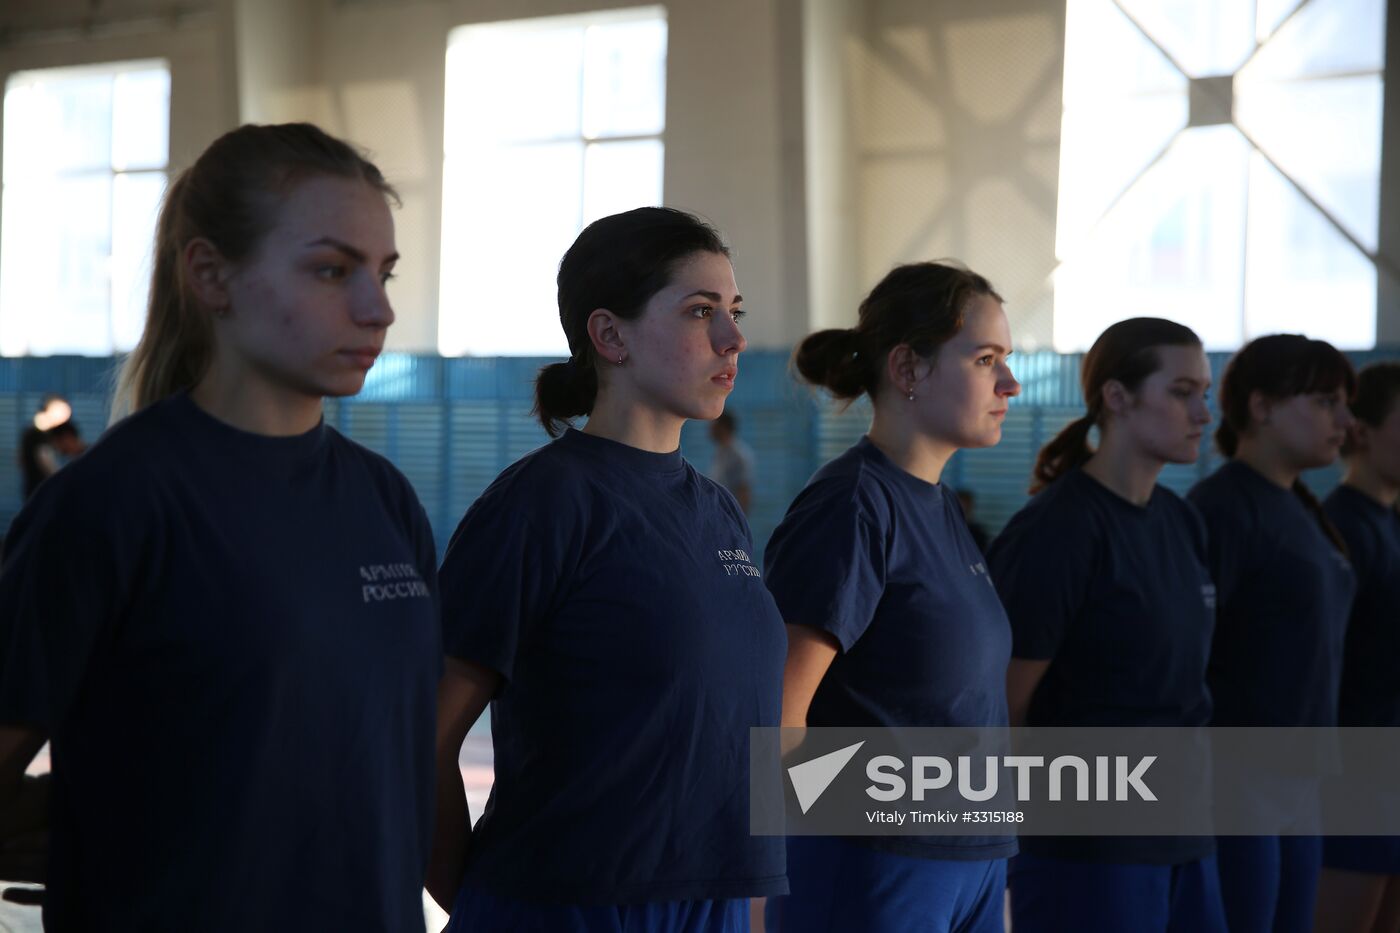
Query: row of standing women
<point x="228" y="620"/>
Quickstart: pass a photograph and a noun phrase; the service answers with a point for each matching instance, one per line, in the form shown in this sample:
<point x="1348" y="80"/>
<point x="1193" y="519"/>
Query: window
<point x="85" y="160"/>
<point x="1220" y="166"/>
<point x="550" y="124"/>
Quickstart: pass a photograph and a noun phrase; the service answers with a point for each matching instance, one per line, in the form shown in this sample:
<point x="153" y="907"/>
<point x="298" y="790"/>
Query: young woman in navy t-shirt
<point x="222" y="615"/>
<point x="1360" y="889"/>
<point x="1105" y="578"/>
<point x="892" y="618"/>
<point x="1283" y="595"/>
<point x="602" y="596"/>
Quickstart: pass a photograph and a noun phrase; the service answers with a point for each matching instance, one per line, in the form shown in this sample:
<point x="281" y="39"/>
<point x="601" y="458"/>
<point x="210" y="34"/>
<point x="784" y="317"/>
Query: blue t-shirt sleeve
<point x="67" y="579"/>
<point x="503" y="568"/>
<point x="825" y="564"/>
<point x="1042" y="565"/>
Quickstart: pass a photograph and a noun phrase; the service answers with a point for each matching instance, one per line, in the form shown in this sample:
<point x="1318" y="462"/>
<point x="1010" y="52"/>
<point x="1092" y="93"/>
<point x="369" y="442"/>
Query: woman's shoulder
<point x="852" y="484"/>
<point x="382" y="471"/>
<point x="129" y="452"/>
<point x="112" y="488"/>
<point x="1064" y="516"/>
<point x="543" y="481"/>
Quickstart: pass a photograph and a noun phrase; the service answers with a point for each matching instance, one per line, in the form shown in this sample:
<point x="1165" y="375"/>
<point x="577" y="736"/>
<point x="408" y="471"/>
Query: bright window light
<point x="1201" y="178"/>
<point x="85" y="164"/>
<point x="550" y="124"/>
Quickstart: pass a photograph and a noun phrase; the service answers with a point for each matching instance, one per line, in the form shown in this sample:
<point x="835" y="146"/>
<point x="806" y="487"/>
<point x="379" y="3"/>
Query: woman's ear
<point x="905" y="368"/>
<point x="606" y="336"/>
<point x="207" y="273"/>
<point x="1115" y="397"/>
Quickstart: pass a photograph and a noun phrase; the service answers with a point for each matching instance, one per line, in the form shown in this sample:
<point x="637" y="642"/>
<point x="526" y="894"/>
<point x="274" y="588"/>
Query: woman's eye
<point x="332" y="273"/>
<point x="386" y="277"/>
<point x="701" y="311"/>
<point x="987" y="360"/>
<point x="738" y="314"/>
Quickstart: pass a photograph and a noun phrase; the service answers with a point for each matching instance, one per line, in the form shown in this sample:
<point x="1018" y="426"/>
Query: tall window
<point x="85" y="160"/>
<point x="550" y="124"/>
<point x="1220" y="166"/>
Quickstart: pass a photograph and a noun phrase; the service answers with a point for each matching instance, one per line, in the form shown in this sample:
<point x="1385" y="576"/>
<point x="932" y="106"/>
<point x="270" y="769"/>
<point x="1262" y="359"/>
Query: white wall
<point x="202" y="98"/>
<point x="828" y="139"/>
<point x="383" y="68"/>
<point x="955" y="111"/>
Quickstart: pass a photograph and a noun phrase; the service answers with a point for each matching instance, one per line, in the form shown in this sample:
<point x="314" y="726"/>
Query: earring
<point x="911" y="395"/>
<point x="619" y="359"/>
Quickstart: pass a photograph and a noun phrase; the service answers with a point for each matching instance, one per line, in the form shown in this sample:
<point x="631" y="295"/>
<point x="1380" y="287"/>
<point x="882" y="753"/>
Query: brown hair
<point x="229" y="197"/>
<point x="618" y="262"/>
<point x="1281" y="366"/>
<point x="1377" y="392"/>
<point x="1127" y="353"/>
<point x="921" y="304"/>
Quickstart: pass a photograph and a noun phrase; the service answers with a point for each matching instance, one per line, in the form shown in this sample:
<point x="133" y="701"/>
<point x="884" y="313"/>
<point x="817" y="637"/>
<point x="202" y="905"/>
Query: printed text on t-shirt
<point x="391" y="581"/>
<point x="736" y="563"/>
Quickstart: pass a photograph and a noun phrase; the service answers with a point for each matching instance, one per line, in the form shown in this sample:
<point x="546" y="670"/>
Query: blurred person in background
<point x="733" y="464"/>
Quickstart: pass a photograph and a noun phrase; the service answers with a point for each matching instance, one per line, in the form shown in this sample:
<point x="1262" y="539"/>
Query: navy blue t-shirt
<point x="1371" y="665"/>
<point x="1119" y="598"/>
<point x="1283" y="594"/>
<point x="232" y="641"/>
<point x="883" y="561"/>
<point x="1118" y="595"/>
<point x="614" y="590"/>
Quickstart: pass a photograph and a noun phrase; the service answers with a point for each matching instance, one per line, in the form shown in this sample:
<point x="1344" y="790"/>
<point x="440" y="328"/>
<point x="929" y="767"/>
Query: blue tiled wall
<point x="452" y="424"/>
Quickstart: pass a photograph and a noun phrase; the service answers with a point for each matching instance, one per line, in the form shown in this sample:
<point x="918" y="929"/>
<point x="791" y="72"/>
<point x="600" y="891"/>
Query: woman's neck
<point x="1125" y="470"/>
<point x="909" y="449"/>
<point x="1267" y="461"/>
<point x="254" y="406"/>
<point x="634" y="424"/>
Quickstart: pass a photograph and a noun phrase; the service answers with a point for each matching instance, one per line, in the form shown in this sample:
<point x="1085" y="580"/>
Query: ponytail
<point x="1067" y="451"/>
<point x="177" y="344"/>
<point x="564" y="391"/>
<point x="832" y="359"/>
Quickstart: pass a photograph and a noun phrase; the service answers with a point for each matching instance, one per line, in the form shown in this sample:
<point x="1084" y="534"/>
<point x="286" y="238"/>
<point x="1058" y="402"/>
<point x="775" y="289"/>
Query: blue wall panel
<point x="452" y="424"/>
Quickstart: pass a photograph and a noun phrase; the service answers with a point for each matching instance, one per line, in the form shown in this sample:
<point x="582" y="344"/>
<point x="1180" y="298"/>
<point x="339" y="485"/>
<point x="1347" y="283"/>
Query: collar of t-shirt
<point x="895" y="473"/>
<point x="620" y="455"/>
<point x="204" y="428"/>
<point x="1363" y="502"/>
<point x="1244" y="473"/>
<point x="1093" y="487"/>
